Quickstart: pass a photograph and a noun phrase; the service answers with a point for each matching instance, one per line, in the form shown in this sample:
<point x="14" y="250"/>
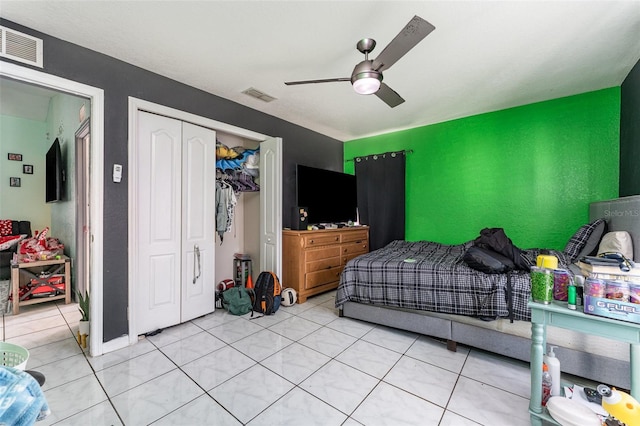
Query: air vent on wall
<point x="21" y="47"/>
<point x="255" y="93"/>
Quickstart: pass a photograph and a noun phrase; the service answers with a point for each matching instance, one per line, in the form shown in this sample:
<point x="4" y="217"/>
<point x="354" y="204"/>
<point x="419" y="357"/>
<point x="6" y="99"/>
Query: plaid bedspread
<point x="433" y="277"/>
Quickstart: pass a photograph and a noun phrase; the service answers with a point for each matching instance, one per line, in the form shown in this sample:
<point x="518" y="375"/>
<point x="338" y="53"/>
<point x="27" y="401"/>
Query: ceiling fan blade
<point x="326" y="80"/>
<point x="389" y="96"/>
<point x="411" y="34"/>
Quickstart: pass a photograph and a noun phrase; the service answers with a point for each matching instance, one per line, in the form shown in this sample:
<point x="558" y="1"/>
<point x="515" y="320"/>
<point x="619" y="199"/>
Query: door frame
<point x="136" y="105"/>
<point x="83" y="220"/>
<point x="96" y="185"/>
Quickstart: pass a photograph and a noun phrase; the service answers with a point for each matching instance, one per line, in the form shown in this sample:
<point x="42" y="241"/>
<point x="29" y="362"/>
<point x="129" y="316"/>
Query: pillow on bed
<point x="618" y="242"/>
<point x="585" y="241"/>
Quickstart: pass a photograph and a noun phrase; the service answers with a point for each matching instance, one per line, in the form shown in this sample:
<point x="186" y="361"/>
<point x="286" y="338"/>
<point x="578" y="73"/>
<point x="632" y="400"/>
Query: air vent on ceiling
<point x="255" y="93"/>
<point x="21" y="47"/>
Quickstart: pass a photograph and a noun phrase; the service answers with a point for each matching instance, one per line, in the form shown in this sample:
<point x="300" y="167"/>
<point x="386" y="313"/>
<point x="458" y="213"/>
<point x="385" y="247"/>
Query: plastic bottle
<point x="553" y="364"/>
<point x="546" y="384"/>
<point x="571" y="297"/>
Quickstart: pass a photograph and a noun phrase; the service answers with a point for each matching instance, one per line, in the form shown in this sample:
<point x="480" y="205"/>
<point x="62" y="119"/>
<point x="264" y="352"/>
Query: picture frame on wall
<point x="27" y="169"/>
<point x="15" y="157"/>
<point x="15" y="182"/>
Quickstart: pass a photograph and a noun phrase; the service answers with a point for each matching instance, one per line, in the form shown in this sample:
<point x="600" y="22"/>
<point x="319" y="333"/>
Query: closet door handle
<point x="196" y="259"/>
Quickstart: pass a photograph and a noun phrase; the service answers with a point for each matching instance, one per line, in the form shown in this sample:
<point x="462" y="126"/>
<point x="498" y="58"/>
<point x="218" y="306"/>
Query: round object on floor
<point x="289" y="297"/>
<point x="568" y="412"/>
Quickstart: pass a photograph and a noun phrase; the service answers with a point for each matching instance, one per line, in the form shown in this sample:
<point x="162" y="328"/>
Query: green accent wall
<point x="532" y="170"/>
<point x="27" y="202"/>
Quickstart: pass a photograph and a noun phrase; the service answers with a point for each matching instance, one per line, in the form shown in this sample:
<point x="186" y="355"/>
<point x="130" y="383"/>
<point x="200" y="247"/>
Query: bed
<point x="426" y="287"/>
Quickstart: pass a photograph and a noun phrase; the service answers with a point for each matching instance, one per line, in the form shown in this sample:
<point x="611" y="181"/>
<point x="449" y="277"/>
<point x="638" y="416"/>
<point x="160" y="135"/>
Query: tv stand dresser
<point x="314" y="260"/>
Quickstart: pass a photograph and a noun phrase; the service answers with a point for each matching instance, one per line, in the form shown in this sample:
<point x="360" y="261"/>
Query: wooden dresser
<point x="313" y="260"/>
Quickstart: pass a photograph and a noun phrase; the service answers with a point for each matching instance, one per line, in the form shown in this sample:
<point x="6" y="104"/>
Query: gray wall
<point x="630" y="134"/>
<point x="120" y="80"/>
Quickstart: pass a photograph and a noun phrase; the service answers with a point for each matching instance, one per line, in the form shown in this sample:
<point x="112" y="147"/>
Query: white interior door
<point x="271" y="205"/>
<point x="198" y="221"/>
<point x="158" y="223"/>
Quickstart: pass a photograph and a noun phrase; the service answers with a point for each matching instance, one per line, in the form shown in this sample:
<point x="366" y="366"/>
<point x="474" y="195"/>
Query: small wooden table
<point x="557" y="314"/>
<point x="50" y="267"/>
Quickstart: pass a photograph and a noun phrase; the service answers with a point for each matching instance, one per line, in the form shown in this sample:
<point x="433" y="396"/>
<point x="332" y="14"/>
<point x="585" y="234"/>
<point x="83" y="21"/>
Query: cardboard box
<point x="595" y="302"/>
<point x="609" y="308"/>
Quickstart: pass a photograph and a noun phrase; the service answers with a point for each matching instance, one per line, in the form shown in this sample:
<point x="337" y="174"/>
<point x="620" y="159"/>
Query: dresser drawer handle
<point x="310" y="241"/>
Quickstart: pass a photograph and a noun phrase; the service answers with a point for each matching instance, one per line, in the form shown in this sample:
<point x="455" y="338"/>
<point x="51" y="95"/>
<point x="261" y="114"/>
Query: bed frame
<point x="622" y="214"/>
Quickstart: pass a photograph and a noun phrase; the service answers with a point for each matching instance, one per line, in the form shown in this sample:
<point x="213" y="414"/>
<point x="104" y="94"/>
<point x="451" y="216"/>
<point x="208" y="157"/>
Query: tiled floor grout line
<point x="335" y="358"/>
<point x="230" y="345"/>
<point x="296" y="385"/>
<point x="93" y="371"/>
<point x="317" y="320"/>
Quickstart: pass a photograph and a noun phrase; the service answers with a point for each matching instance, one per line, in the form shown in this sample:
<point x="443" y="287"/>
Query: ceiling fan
<point x="366" y="77"/>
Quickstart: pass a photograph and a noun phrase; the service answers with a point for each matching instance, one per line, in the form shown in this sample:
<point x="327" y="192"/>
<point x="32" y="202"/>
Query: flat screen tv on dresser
<point x="329" y="197"/>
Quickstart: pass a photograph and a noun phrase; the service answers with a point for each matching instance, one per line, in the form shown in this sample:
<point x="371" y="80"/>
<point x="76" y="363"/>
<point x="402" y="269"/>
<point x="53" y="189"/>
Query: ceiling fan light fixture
<point x="367" y="83"/>
<point x="366" y="77"/>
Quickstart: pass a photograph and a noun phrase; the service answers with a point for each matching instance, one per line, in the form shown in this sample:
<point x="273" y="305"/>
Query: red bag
<point x="40" y="247"/>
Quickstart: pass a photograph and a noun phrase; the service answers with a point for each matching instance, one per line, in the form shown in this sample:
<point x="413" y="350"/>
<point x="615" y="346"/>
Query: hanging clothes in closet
<point x="236" y="171"/>
<point x="225" y="207"/>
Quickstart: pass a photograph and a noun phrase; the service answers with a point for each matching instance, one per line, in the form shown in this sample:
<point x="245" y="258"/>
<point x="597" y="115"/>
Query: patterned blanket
<point x="433" y="277"/>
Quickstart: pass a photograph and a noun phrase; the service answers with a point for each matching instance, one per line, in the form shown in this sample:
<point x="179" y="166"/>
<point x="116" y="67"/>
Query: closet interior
<point x="242" y="177"/>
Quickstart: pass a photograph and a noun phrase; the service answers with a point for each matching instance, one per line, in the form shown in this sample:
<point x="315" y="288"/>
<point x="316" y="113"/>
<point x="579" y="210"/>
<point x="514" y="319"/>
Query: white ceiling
<point x="23" y="100"/>
<point x="483" y="55"/>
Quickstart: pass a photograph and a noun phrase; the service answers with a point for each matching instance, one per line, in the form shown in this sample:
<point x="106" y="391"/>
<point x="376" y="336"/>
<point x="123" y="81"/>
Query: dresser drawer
<point x="311" y="255"/>
<point x="316" y="279"/>
<point x="321" y="240"/>
<point x="348" y="257"/>
<point x="360" y="235"/>
<point x="322" y="264"/>
<point x="354" y="248"/>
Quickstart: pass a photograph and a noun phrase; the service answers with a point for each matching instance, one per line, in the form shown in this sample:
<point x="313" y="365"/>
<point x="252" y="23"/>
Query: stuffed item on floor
<point x="22" y="402"/>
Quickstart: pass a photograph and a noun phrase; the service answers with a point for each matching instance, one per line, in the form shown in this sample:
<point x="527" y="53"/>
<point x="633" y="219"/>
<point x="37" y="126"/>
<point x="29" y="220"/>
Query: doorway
<point x="93" y="264"/>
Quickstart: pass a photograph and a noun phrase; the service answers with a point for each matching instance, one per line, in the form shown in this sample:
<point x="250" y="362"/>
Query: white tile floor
<point x="302" y="366"/>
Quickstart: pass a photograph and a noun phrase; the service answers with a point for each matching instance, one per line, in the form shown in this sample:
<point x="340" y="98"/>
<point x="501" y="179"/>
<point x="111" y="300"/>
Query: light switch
<point x="117" y="173"/>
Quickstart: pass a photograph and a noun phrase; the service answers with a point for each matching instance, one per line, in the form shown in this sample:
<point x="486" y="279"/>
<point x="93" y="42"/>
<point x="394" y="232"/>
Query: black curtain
<point x="380" y="180"/>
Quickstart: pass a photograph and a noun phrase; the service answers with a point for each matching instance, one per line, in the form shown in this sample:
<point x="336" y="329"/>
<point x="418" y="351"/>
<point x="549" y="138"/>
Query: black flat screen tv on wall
<point x="330" y="197"/>
<point x="54" y="173"/>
